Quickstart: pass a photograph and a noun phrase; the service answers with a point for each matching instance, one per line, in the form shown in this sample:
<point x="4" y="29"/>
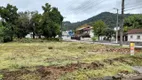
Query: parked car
<point x="85" y="35"/>
<point x="76" y="37"/>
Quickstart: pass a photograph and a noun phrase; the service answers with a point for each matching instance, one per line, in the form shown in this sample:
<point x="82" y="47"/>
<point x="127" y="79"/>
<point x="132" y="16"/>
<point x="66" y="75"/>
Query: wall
<point x="134" y="38"/>
<point x="91" y="33"/>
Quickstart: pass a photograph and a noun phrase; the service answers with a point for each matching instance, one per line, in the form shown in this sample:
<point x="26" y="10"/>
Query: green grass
<point x="109" y="70"/>
<point x="14" y="56"/>
<point x="17" y="55"/>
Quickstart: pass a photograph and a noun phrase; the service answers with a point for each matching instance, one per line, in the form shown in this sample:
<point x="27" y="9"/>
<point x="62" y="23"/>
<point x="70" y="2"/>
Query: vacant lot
<point x="64" y="61"/>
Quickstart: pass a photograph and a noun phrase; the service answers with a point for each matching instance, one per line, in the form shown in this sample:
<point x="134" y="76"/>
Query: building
<point x="30" y="35"/>
<point x="135" y="35"/>
<point x="85" y="31"/>
<point x="67" y="34"/>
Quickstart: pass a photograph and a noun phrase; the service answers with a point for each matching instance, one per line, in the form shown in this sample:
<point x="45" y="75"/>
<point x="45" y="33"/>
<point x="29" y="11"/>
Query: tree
<point x="9" y="16"/>
<point x="5" y="33"/>
<point x="57" y="19"/>
<point x="51" y="21"/>
<point x="109" y="33"/>
<point x="20" y="24"/>
<point x="134" y="21"/>
<point x="99" y="28"/>
<point x="36" y="20"/>
<point x="22" y="27"/>
<point x="46" y="20"/>
<point x="1" y="32"/>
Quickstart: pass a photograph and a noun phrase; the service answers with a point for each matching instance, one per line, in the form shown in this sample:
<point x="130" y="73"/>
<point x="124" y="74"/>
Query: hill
<point x="107" y="17"/>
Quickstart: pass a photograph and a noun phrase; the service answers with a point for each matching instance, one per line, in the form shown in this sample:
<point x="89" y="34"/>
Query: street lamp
<point x="116" y="28"/>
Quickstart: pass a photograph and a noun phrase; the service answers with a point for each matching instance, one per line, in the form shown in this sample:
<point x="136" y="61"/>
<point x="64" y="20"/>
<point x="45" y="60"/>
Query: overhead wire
<point x="86" y="7"/>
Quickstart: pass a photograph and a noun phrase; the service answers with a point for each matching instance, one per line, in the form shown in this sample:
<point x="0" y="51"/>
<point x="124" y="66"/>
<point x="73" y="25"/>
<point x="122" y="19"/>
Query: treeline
<point x="133" y="22"/>
<point x="14" y="24"/>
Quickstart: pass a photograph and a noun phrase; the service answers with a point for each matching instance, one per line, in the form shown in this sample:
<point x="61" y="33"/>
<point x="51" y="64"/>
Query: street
<point x="87" y="40"/>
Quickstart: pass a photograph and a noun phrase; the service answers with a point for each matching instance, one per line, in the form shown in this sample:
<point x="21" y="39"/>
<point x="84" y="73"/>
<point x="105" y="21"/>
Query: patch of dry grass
<point x="17" y="55"/>
<point x="20" y="55"/>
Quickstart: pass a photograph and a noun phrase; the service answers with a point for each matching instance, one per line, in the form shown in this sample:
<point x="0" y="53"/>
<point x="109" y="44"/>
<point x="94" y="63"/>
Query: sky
<point x="77" y="10"/>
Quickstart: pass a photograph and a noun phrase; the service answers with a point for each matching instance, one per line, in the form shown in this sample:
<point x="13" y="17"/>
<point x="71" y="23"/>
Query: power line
<point x="128" y="2"/>
<point x="98" y="3"/>
<point x="134" y="5"/>
<point x="83" y="8"/>
<point x="87" y="7"/>
<point x="133" y="8"/>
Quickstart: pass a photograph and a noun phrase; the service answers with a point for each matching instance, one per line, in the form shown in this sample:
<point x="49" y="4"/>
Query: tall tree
<point x="57" y="19"/>
<point x="23" y="24"/>
<point x="46" y="20"/>
<point x="51" y="21"/>
<point x="99" y="28"/>
<point x="36" y="20"/>
<point x="9" y="16"/>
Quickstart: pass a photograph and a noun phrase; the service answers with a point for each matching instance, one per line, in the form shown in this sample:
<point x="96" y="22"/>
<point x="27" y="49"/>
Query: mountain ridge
<point x="107" y="17"/>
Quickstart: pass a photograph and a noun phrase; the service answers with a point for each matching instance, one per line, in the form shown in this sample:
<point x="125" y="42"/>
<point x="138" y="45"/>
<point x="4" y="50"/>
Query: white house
<point x="135" y="35"/>
<point x="30" y="35"/>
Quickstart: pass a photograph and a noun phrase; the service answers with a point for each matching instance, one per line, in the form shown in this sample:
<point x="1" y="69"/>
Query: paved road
<point x="105" y="43"/>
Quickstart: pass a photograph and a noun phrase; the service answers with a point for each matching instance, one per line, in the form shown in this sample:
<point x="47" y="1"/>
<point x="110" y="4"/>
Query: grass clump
<point x="30" y="76"/>
<point x="108" y="70"/>
<point x="1" y="76"/>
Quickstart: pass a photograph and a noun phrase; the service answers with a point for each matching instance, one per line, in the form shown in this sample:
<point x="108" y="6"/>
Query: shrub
<point x="94" y="38"/>
<point x="5" y="34"/>
<point x="29" y="40"/>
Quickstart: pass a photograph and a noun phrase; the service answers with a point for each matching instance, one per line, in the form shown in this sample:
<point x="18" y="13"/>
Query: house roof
<point x="135" y="31"/>
<point x="84" y="27"/>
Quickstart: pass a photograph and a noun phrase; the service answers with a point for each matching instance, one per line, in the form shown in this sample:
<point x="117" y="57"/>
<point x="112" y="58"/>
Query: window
<point x="138" y="37"/>
<point x="131" y="37"/>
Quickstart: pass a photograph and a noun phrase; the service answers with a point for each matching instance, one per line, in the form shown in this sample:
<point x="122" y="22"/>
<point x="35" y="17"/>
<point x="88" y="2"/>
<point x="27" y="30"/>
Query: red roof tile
<point x="135" y="31"/>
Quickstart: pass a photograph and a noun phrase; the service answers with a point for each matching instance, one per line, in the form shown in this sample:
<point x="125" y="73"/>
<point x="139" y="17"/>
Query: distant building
<point x="30" y="35"/>
<point x="85" y="31"/>
<point x="135" y="35"/>
<point x="67" y="33"/>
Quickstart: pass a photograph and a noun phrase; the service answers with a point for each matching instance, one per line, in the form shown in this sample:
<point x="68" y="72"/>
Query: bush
<point x="94" y="38"/>
<point x="7" y="39"/>
<point x="5" y="34"/>
<point x="29" y="40"/>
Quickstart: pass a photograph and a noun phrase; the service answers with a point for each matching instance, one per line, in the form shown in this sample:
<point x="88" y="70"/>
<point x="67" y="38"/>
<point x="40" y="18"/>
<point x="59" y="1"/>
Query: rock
<point x="50" y="47"/>
<point x="108" y="78"/>
<point x="117" y="77"/>
<point x="137" y="69"/>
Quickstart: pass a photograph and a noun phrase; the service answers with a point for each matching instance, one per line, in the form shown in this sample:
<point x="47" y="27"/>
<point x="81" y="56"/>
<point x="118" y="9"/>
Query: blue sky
<point x="76" y="10"/>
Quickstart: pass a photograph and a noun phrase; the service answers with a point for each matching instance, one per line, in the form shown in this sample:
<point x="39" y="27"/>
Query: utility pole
<point x="61" y="35"/>
<point x="61" y="29"/>
<point x="117" y="27"/>
<point x="122" y="24"/>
